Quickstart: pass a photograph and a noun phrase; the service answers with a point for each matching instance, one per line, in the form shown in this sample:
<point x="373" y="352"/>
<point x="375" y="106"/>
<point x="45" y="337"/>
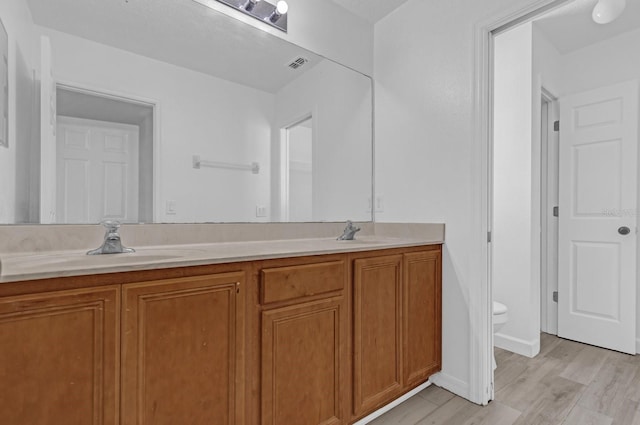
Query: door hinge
<point x="555" y="296"/>
<point x="556" y="126"/>
<point x="556" y="211"/>
<point x="488" y="237"/>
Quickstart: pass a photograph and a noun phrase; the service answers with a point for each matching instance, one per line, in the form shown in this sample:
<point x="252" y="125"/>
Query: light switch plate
<point x="171" y="207"/>
<point x="379" y="203"/>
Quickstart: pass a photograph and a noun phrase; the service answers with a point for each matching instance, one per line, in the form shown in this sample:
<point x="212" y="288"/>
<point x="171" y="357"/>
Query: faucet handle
<point x="111" y="225"/>
<point x="349" y="232"/>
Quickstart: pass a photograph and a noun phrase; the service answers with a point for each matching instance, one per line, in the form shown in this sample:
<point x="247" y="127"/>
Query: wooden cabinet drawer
<point x="288" y="283"/>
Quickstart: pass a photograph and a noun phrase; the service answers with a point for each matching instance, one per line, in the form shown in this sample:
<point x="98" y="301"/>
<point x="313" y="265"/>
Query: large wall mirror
<point x="169" y="111"/>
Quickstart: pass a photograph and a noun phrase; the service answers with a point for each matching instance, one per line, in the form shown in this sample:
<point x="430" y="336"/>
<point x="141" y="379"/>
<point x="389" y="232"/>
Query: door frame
<point x="548" y="233"/>
<point x="283" y="168"/>
<point x="481" y="378"/>
<point x="155" y="105"/>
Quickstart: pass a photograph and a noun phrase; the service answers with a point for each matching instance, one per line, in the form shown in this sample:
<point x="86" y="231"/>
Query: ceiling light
<point x="606" y="11"/>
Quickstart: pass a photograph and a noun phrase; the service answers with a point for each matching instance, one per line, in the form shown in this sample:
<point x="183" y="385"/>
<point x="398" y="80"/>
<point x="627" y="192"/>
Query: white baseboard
<point x="637" y="345"/>
<point x="517" y="345"/>
<point x="450" y="383"/>
<point x="393" y="404"/>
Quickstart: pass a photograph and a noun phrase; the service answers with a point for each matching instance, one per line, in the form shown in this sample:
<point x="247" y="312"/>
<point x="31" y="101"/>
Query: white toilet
<point x="500" y="317"/>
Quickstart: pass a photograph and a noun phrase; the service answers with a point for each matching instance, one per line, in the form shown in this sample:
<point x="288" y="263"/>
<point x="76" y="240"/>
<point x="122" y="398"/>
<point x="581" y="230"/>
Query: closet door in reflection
<point x="97" y="171"/>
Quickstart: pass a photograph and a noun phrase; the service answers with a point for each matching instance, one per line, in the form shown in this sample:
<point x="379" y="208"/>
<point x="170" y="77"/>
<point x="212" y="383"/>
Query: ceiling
<point x="371" y="10"/>
<point x="571" y="28"/>
<point x="191" y="35"/>
<point x="184" y="33"/>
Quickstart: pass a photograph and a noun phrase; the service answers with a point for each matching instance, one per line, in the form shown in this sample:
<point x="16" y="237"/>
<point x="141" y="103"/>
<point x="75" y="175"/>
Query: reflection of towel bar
<point x="254" y="167"/>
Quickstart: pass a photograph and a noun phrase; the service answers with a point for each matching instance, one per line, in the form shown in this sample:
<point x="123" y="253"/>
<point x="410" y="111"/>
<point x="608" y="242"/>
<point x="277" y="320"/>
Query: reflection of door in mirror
<point x="104" y="150"/>
<point x="97" y="171"/>
<point x="298" y="170"/>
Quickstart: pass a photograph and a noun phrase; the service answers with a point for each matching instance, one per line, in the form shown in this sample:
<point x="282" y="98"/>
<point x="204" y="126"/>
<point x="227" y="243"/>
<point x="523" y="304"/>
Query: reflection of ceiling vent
<point x="297" y="62"/>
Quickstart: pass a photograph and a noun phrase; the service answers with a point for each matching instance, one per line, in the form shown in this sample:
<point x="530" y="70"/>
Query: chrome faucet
<point x="112" y="243"/>
<point x="349" y="232"/>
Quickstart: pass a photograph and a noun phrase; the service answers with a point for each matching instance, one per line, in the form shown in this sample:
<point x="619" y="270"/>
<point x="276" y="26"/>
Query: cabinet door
<point x="303" y="361"/>
<point x="422" y="316"/>
<point x="182" y="341"/>
<point x="377" y="329"/>
<point x="59" y="358"/>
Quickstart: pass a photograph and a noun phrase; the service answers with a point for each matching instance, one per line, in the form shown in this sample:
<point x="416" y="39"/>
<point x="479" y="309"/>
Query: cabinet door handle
<point x="624" y="230"/>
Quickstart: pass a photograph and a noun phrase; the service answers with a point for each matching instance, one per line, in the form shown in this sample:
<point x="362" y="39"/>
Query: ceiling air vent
<point x="297" y="62"/>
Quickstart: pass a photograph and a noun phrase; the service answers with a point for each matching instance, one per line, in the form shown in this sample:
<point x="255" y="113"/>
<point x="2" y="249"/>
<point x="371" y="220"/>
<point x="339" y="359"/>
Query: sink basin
<point x="81" y="260"/>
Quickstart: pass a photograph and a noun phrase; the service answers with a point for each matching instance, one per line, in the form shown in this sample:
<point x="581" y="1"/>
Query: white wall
<point x="340" y="102"/>
<point x="427" y="154"/>
<point x="605" y="63"/>
<point x="199" y="115"/>
<point x="514" y="275"/>
<point x="14" y="161"/>
<point x="547" y="63"/>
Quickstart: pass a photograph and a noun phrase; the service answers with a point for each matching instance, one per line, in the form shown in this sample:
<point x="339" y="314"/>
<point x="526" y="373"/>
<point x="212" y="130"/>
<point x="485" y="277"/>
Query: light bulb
<point x="282" y="7"/>
<point x="606" y="11"/>
<point x="250" y="4"/>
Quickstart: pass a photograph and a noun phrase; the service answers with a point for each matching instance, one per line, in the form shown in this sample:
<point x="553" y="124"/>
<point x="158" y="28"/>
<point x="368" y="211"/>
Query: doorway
<point x="104" y="157"/>
<point x="297" y="171"/>
<point x="531" y="176"/>
<point x="549" y="212"/>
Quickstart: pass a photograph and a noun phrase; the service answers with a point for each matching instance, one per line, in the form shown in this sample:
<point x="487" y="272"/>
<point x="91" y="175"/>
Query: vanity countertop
<point x="51" y="264"/>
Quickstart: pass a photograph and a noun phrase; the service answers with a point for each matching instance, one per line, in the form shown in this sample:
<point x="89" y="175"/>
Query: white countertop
<point x="49" y="264"/>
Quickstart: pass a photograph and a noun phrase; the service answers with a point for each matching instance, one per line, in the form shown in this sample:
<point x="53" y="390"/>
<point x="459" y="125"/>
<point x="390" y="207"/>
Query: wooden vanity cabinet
<point x="377" y="332"/>
<point x="303" y="349"/>
<point x="59" y="357"/>
<point x="422" y="316"/>
<point x="396" y="325"/>
<point x="181" y="351"/>
<point x="316" y="340"/>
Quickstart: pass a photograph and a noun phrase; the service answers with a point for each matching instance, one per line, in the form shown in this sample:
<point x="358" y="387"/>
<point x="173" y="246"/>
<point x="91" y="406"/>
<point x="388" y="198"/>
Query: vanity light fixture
<point x="606" y="11"/>
<point x="249" y="5"/>
<point x="281" y="9"/>
<point x="272" y="14"/>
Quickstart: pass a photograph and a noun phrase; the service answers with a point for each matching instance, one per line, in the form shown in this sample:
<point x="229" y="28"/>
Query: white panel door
<point x="598" y="195"/>
<point x="97" y="171"/>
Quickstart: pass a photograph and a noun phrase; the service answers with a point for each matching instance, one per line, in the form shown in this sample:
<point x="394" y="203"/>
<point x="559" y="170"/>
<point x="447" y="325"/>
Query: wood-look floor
<point x="567" y="383"/>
